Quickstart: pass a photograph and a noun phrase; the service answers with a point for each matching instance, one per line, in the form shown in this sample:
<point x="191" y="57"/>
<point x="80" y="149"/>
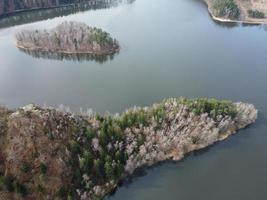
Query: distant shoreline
<point x="255" y="21"/>
<point x="15" y="12"/>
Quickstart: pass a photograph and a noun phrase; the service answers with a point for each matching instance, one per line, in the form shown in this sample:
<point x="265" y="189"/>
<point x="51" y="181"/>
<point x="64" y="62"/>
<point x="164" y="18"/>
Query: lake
<point x="168" y="49"/>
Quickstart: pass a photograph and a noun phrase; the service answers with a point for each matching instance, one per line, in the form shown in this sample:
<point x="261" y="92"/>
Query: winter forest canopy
<point x="9" y="6"/>
<point x="69" y="38"/>
<point x="92" y="154"/>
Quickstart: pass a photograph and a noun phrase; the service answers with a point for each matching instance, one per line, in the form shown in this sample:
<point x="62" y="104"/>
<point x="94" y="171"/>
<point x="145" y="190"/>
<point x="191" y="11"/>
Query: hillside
<point x="53" y="154"/>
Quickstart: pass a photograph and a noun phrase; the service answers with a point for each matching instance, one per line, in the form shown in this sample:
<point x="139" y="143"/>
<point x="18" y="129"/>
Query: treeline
<point x="256" y="14"/>
<point x="10" y="6"/>
<point x="226" y="8"/>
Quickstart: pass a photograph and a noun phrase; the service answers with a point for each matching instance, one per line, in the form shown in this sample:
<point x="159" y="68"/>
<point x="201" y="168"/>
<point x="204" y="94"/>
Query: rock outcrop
<point x="53" y="154"/>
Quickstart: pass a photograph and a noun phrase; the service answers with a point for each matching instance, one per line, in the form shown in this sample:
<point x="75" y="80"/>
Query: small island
<point x="48" y="153"/>
<point x="249" y="11"/>
<point x="68" y="38"/>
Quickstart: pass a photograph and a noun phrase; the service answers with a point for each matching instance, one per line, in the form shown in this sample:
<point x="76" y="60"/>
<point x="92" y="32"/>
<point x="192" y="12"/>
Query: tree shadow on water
<point x="78" y="57"/>
<point x="30" y="16"/>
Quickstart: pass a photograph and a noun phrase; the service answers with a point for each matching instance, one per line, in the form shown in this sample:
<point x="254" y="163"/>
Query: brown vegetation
<point x="51" y="154"/>
<point x="68" y="38"/>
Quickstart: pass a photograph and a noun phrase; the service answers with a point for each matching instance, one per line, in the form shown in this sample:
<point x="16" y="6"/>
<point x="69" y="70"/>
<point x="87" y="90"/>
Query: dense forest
<point x="53" y="154"/>
<point x="9" y="6"/>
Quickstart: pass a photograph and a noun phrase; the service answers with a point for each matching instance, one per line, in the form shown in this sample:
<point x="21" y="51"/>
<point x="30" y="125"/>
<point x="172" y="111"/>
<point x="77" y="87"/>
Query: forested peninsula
<point x="48" y="153"/>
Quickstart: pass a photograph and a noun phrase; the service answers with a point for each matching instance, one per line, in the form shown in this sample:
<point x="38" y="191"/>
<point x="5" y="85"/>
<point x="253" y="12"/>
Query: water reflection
<point x="228" y="25"/>
<point x="81" y="57"/>
<point x="44" y="14"/>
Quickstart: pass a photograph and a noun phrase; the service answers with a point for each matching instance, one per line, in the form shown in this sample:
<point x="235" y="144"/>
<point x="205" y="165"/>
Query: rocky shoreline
<point x="48" y="153"/>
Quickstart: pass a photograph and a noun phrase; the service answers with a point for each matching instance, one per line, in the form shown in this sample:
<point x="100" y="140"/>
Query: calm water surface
<point x="170" y="48"/>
